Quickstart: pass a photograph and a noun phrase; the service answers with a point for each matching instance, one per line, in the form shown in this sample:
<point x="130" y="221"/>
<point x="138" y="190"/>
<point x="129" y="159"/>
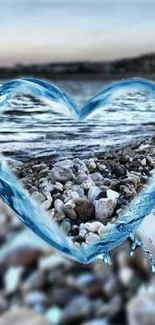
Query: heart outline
<point x="121" y="230"/>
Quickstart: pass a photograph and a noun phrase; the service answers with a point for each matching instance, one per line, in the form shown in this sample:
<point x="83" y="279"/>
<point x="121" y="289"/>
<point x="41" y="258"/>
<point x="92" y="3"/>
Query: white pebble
<point x="91" y="238"/>
<point x="112" y="194"/>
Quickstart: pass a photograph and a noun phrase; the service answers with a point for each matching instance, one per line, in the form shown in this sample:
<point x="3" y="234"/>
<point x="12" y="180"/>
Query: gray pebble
<point x="58" y="205"/>
<point x="104" y="209"/>
<point x="61" y="174"/>
<point x="96" y="177"/>
<point x="38" y="197"/>
<point x="93" y="192"/>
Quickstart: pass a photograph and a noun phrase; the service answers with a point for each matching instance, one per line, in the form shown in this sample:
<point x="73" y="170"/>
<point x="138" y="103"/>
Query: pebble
<point x="38" y="197"/>
<point x="91" y="238"/>
<point x="46" y="204"/>
<point x="12" y="279"/>
<point x="81" y="304"/>
<point x="23" y="257"/>
<point x="104" y="209"/>
<point x="140" y="310"/>
<point x="112" y="194"/>
<point x="59" y="215"/>
<point x="93" y="226"/>
<point x="84" y="210"/>
<point x="53" y="261"/>
<point x="80" y="178"/>
<point x="43" y="172"/>
<point x="54" y="315"/>
<point x="58" y="205"/>
<point x="93" y="192"/>
<point x="73" y="195"/>
<point x="87" y="184"/>
<point x="96" y="177"/>
<point x="34" y="298"/>
<point x="20" y="315"/>
<point x="34" y="281"/>
<point x="61" y="174"/>
<point x="70" y="212"/>
<point x="64" y="163"/>
<point x="66" y="226"/>
<point x="100" y="321"/>
<point x="58" y="186"/>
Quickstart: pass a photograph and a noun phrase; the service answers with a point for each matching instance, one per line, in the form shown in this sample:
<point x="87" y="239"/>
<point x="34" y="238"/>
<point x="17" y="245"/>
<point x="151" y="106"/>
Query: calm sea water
<point x="30" y="129"/>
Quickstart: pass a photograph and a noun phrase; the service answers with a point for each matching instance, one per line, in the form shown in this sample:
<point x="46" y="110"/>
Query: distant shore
<point x="142" y="66"/>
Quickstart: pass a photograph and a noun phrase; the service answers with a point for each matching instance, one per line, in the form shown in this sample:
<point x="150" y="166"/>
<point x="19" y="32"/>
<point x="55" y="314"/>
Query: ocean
<point x="30" y="129"/>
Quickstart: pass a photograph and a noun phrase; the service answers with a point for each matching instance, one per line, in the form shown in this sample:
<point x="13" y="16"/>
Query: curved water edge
<point x="37" y="220"/>
<point x="46" y="90"/>
<point x="30" y="213"/>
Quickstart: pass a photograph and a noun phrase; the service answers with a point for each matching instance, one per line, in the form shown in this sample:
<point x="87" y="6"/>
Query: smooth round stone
<point x="48" y="196"/>
<point x="91" y="238"/>
<point x="96" y="177"/>
<point x="83" y="232"/>
<point x="84" y="210"/>
<point x="53" y="315"/>
<point x="90" y="163"/>
<point x="68" y="185"/>
<point x="66" y="226"/>
<point x="49" y="188"/>
<point x="38" y="167"/>
<point x="112" y="194"/>
<point x="61" y="174"/>
<point x="59" y="187"/>
<point x="143" y="162"/>
<point x="69" y="210"/>
<point x="80" y="178"/>
<point x="58" y="205"/>
<point x="73" y="195"/>
<point x="43" y="180"/>
<point x="87" y="184"/>
<point x="93" y="226"/>
<point x="46" y="204"/>
<point x="43" y="184"/>
<point x="104" y="209"/>
<point x="60" y="215"/>
<point x="93" y="192"/>
<point x="38" y="197"/>
<point x="75" y="230"/>
<point x="64" y="163"/>
<point x="43" y="172"/>
<point x="102" y="230"/>
<point x="52" y="213"/>
<point x="106" y="182"/>
<point x="80" y="191"/>
<point x="35" y="297"/>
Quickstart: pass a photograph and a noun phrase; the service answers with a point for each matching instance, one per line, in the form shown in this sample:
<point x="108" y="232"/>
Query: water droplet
<point x="152" y="267"/>
<point x="138" y="242"/>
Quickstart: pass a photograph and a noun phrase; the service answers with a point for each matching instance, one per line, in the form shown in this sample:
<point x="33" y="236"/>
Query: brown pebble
<point x="84" y="210"/>
<point x="23" y="257"/>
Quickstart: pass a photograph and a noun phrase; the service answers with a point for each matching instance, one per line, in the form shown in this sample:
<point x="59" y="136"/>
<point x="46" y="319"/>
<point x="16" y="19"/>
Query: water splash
<point x="136" y="242"/>
<point x="33" y="216"/>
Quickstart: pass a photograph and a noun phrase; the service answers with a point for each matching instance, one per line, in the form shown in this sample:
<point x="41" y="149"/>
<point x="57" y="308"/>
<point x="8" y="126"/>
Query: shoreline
<point x="86" y="196"/>
<point x="45" y="159"/>
<point x="81" y="76"/>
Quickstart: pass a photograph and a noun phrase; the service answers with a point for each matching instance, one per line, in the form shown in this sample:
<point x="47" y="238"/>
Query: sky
<point x="40" y="31"/>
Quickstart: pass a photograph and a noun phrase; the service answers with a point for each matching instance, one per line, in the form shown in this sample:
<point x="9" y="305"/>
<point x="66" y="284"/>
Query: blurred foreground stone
<point x="22" y="316"/>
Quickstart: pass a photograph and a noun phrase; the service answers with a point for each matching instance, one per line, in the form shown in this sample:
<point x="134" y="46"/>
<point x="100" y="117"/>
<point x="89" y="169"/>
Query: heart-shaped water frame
<point x="30" y="213"/>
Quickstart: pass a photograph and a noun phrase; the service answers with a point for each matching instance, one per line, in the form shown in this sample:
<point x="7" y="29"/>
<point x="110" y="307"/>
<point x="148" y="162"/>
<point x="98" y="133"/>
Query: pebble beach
<point x="86" y="197"/>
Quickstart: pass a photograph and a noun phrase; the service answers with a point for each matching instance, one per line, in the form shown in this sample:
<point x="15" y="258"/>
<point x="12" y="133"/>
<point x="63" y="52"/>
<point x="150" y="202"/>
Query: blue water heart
<point x="30" y="213"/>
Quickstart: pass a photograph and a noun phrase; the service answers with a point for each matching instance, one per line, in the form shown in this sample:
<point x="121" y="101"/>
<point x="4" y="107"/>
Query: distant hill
<point x="139" y="66"/>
